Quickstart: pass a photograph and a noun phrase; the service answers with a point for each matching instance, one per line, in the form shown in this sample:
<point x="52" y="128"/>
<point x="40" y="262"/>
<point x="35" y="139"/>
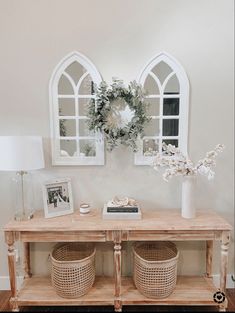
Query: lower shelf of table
<point x="37" y="291"/>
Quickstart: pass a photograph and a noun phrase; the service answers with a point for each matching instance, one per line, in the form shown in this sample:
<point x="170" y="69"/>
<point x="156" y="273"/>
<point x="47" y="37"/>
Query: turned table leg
<point x="224" y="259"/>
<point x="10" y="240"/>
<point x="209" y="255"/>
<point x="27" y="272"/>
<point x="225" y="238"/>
<point x="117" y="270"/>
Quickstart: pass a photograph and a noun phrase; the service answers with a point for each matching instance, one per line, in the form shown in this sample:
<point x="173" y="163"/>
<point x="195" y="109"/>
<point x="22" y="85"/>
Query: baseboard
<point x="5" y="283"/>
<point x="230" y="283"/>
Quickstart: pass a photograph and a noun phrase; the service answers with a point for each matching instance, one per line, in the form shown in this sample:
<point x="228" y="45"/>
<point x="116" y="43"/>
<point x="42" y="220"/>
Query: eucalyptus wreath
<point x="101" y="107"/>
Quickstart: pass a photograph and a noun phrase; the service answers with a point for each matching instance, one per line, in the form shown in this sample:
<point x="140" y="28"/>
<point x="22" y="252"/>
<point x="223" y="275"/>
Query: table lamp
<point x="21" y="154"/>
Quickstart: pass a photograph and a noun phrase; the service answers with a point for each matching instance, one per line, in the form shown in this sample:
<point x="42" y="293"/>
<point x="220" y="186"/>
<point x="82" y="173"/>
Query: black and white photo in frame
<point x="57" y="197"/>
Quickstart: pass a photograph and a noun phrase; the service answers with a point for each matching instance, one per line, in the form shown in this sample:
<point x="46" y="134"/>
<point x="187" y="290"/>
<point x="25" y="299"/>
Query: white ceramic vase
<point x="188" y="209"/>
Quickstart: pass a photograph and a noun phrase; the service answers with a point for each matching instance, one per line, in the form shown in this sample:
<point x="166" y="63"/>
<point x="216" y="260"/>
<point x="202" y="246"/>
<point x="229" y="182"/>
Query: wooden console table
<point x="118" y="291"/>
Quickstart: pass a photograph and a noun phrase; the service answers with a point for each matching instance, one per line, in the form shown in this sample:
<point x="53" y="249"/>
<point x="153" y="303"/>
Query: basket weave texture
<point x="73" y="269"/>
<point x="155" y="268"/>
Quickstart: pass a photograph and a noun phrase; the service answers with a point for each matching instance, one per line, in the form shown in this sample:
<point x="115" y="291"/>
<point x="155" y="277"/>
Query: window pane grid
<point x="166" y="117"/>
<point x="77" y="137"/>
<point x="87" y="143"/>
<point x="76" y="107"/>
<point x="173" y="95"/>
<point x="160" y="124"/>
<point x="151" y="137"/>
<point x="73" y="117"/>
<point x="61" y="96"/>
<point x="163" y="137"/>
<point x="152" y="96"/>
<point x="71" y="89"/>
<point x="169" y="115"/>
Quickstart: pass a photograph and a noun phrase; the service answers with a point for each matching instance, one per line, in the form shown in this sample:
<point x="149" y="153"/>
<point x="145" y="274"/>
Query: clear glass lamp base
<point x="23" y="196"/>
<point x="20" y="216"/>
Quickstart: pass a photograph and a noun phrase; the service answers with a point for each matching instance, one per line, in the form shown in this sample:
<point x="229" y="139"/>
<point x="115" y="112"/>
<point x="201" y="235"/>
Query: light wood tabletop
<point x="154" y="219"/>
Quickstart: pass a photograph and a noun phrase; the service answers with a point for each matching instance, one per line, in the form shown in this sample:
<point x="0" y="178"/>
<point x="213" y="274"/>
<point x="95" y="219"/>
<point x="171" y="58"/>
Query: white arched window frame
<point x="78" y="158"/>
<point x="183" y="96"/>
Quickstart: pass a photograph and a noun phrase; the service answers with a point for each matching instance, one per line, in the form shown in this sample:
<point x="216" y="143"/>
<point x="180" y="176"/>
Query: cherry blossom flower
<point x="177" y="163"/>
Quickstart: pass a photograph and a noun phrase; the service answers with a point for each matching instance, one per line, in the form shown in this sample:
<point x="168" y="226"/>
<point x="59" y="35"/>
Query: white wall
<point x="120" y="37"/>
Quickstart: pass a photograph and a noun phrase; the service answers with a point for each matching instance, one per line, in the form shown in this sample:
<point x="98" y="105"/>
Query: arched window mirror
<point x="71" y="89"/>
<point x="167" y="87"/>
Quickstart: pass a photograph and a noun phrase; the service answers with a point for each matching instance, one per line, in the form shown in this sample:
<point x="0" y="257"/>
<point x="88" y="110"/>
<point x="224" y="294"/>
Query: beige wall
<point x="120" y="37"/>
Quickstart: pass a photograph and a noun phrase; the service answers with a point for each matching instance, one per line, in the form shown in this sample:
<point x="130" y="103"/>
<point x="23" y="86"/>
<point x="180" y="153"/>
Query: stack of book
<point x="121" y="212"/>
<point x="122" y="209"/>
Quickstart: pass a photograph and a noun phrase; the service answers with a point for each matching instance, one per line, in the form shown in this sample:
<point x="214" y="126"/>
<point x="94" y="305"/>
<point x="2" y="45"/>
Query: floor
<point x="5" y="296"/>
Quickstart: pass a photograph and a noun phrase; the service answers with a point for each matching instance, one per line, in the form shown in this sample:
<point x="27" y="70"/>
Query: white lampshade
<point x="21" y="153"/>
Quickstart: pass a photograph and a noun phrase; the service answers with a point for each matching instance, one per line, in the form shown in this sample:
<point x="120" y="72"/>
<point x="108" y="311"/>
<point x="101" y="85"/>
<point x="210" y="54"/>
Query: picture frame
<point x="57" y="197"/>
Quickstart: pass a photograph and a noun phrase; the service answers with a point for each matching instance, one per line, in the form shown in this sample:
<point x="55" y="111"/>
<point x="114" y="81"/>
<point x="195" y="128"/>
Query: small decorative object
<point x="118" y="112"/>
<point x="122" y="208"/>
<point x="179" y="164"/>
<point x="84" y="208"/>
<point x="57" y="197"/>
<point x="22" y="154"/>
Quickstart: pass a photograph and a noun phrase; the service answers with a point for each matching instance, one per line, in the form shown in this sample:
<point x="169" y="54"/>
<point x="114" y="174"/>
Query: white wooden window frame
<point x="60" y="69"/>
<point x="183" y="96"/>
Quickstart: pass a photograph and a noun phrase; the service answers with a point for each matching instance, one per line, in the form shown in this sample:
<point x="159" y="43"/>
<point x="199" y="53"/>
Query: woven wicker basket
<point x="73" y="269"/>
<point x="155" y="268"/>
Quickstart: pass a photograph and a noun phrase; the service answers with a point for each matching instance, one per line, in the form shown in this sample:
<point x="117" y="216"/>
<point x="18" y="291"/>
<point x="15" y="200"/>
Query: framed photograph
<point x="57" y="197"/>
